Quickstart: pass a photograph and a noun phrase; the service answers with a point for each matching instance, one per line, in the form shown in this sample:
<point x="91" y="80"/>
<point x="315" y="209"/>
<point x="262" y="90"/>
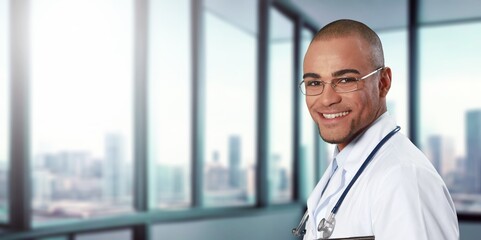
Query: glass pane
<point x="432" y="11"/>
<point x="124" y="234"/>
<point x="450" y="110"/>
<point x="280" y="104"/>
<point x="395" y="55"/>
<point x="308" y="132"/>
<point x="230" y="117"/>
<point x="81" y="108"/>
<point x="4" y="108"/>
<point x="169" y="104"/>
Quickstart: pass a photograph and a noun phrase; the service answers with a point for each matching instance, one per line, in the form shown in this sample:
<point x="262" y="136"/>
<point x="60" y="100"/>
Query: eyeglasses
<point x="313" y="87"/>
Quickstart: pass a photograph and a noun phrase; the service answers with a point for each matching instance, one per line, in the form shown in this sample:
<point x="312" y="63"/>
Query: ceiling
<point x="387" y="14"/>
<point x="378" y="14"/>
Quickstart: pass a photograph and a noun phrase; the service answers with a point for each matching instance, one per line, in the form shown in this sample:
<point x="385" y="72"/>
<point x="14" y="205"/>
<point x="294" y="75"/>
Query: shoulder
<point x="400" y="159"/>
<point x="401" y="169"/>
<point x="405" y="186"/>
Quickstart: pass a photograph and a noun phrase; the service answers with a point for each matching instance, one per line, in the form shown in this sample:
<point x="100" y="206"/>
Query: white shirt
<point x="398" y="196"/>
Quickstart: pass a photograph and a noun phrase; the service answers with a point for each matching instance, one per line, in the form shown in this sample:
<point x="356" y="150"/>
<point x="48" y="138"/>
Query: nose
<point x="328" y="97"/>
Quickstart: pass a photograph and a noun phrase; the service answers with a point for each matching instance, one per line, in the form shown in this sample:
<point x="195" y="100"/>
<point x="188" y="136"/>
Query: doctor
<point x="399" y="195"/>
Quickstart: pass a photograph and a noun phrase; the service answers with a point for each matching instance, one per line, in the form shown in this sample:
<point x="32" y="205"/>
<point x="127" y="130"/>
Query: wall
<point x="470" y="231"/>
<point x="273" y="225"/>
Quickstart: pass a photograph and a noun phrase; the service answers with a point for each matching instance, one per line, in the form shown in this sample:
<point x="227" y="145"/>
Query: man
<point x="399" y="195"/>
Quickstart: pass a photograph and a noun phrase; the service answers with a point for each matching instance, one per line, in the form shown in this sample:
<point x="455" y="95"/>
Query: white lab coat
<point x="398" y="196"/>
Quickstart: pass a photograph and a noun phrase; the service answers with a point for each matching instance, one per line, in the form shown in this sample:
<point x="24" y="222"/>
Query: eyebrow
<point x="312" y="75"/>
<point x="344" y="71"/>
<point x="334" y="74"/>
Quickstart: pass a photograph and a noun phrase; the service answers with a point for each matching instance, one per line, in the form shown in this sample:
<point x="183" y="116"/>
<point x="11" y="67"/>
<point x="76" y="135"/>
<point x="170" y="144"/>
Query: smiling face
<point x="342" y="116"/>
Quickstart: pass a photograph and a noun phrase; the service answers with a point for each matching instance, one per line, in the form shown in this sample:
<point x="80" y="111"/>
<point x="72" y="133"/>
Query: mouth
<point x="335" y="115"/>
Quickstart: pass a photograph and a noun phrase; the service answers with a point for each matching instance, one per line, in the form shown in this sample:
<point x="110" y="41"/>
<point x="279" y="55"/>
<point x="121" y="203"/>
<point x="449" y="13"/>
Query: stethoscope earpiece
<point x="300" y="230"/>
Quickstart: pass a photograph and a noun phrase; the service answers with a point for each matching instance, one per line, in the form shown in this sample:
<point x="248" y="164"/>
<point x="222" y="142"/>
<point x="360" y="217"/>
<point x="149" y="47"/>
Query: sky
<point x="449" y="64"/>
<point x="81" y="72"/>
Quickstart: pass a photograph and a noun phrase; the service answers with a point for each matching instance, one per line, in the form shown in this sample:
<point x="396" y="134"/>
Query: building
<point x="473" y="145"/>
<point x="235" y="162"/>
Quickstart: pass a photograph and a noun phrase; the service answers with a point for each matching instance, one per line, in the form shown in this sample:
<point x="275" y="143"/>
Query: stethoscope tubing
<point x="297" y="231"/>
<point x="363" y="166"/>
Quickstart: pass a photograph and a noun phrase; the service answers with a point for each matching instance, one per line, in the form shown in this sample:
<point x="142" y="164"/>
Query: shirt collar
<point x="354" y="154"/>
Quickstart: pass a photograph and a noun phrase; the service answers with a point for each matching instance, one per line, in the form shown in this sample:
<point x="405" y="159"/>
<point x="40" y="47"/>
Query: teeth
<point x="335" y="115"/>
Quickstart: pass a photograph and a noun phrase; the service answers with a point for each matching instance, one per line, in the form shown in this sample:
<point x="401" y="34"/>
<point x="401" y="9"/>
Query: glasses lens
<point x="346" y="85"/>
<point x="311" y="88"/>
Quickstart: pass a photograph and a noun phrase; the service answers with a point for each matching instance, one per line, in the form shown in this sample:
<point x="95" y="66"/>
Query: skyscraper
<point x="3" y="185"/>
<point x="171" y="186"/>
<point x="434" y="145"/>
<point x="473" y="143"/>
<point x="216" y="175"/>
<point x="441" y="152"/>
<point x="235" y="161"/>
<point x="112" y="172"/>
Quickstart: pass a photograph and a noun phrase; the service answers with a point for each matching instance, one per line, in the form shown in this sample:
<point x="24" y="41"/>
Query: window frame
<point x="19" y="223"/>
<point x="414" y="25"/>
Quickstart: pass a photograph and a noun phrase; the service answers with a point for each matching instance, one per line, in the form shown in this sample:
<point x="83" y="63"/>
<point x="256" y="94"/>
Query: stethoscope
<point x="326" y="226"/>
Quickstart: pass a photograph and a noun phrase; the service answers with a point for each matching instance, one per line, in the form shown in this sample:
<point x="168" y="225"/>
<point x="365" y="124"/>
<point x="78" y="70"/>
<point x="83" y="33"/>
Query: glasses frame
<point x="334" y="82"/>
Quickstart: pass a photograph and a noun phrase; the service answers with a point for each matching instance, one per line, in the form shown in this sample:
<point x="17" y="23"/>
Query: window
<point x="4" y="109"/>
<point x="170" y="91"/>
<point x="395" y="55"/>
<point x="280" y="104"/>
<point x="230" y="107"/>
<point x="81" y="108"/>
<point x="450" y="110"/>
<point x="308" y="132"/>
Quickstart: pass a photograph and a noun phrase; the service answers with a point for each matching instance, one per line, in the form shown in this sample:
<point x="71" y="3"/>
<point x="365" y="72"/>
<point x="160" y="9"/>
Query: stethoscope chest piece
<point x="326" y="226"/>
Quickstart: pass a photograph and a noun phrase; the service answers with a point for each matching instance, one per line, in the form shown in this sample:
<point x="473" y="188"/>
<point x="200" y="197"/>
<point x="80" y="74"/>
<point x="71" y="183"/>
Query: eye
<point x="313" y="83"/>
<point x="346" y="80"/>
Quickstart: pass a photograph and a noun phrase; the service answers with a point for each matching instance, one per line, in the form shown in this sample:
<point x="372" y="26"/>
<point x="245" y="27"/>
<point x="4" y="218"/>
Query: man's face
<point x="342" y="116"/>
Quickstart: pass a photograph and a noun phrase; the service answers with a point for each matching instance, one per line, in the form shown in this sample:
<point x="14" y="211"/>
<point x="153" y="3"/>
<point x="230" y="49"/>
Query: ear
<point x="385" y="82"/>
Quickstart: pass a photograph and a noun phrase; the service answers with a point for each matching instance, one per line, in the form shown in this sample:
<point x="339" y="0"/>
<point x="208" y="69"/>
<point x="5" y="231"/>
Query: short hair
<point x="348" y="27"/>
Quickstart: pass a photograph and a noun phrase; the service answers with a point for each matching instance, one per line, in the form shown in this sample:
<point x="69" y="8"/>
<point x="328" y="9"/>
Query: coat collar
<point x="354" y="154"/>
<point x="351" y="158"/>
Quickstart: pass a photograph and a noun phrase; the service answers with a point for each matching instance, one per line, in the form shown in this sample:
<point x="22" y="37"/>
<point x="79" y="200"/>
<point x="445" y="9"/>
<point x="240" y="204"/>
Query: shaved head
<point x="346" y="27"/>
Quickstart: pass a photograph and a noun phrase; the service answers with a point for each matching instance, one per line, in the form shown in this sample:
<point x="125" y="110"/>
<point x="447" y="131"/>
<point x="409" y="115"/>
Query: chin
<point x="331" y="138"/>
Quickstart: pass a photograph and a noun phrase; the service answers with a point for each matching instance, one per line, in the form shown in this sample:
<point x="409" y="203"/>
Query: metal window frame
<point x="20" y="217"/>
<point x="141" y="124"/>
<point x="262" y="190"/>
<point x="20" y="175"/>
<point x="198" y="103"/>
